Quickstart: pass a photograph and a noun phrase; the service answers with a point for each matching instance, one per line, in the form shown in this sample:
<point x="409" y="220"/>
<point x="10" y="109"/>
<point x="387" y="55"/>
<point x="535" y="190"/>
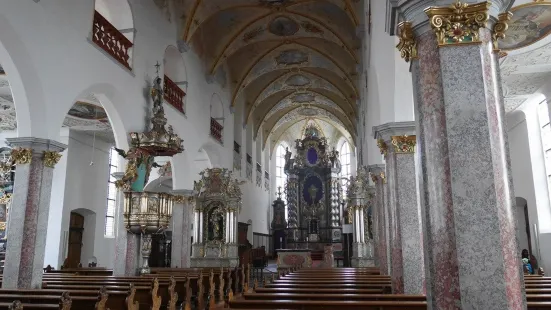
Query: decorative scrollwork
<point x="407" y="45"/>
<point x="65" y="303"/>
<point x="130" y="303"/>
<point x="382" y="146"/>
<point x="16" y="305"/>
<point x="500" y="27"/>
<point x="172" y="294"/>
<point x="404" y="144"/>
<point x="102" y="302"/>
<point x="383" y="177"/>
<point x="21" y="156"/>
<point x="458" y="23"/>
<point x="51" y="158"/>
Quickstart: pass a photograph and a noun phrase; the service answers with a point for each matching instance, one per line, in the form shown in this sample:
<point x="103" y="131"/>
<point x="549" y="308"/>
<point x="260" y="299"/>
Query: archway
<point x="26" y="97"/>
<point x="175" y="79"/>
<point x="217" y="118"/>
<point x="523" y="225"/>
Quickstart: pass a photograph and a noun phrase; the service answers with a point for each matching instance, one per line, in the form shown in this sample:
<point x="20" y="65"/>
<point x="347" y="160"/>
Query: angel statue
<point x="139" y="165"/>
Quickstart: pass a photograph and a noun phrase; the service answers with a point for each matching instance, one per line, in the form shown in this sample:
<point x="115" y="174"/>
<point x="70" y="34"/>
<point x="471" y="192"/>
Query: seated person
<point x="531" y="259"/>
<point x="527" y="267"/>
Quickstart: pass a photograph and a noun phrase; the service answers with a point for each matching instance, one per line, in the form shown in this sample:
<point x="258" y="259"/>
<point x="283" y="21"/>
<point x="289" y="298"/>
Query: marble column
<point x="397" y="142"/>
<point x="467" y="199"/>
<point x="119" y="265"/>
<point x="35" y="159"/>
<point x="380" y="217"/>
<point x="182" y="218"/>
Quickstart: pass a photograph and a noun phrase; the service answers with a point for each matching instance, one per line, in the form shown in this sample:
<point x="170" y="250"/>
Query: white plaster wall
<point x="54" y="233"/>
<point x="85" y="193"/>
<point x="529" y="177"/>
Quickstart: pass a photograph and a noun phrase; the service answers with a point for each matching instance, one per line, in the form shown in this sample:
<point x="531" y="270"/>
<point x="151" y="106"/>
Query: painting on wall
<point x="530" y="23"/>
<point x="84" y="110"/>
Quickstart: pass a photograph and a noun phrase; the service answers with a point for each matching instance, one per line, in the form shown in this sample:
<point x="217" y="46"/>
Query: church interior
<point x="275" y="154"/>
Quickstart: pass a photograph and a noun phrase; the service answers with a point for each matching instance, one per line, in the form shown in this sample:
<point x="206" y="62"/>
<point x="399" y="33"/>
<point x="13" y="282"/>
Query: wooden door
<point x="76" y="229"/>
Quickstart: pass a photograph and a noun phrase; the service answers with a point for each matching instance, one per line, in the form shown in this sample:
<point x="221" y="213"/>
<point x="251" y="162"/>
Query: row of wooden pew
<point x="166" y="289"/>
<point x="349" y="288"/>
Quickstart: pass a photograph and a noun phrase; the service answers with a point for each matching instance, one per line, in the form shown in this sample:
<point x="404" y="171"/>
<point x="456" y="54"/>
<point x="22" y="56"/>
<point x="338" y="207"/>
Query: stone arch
<point x="119" y="14"/>
<point x="175" y="69"/>
<point x="111" y="100"/>
<point x="217" y="108"/>
<point x="26" y="87"/>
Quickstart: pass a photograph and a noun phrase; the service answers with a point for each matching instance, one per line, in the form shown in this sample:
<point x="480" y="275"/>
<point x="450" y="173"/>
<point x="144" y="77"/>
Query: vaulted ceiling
<point x="284" y="58"/>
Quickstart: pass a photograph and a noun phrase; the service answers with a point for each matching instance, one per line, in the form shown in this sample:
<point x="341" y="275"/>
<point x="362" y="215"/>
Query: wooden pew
<point x="325" y="304"/>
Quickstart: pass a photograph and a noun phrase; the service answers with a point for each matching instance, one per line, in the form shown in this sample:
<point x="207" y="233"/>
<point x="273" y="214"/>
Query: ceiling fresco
<point x="285" y="59"/>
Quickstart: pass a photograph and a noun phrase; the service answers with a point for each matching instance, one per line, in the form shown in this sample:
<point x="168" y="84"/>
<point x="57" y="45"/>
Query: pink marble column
<point x="397" y="142"/>
<point x="467" y="199"/>
<point x="26" y="238"/>
<point x="182" y="218"/>
<point x="380" y="217"/>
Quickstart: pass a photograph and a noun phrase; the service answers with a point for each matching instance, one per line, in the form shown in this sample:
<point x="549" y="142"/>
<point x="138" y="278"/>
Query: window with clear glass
<point x="344" y="154"/>
<point x="111" y="195"/>
<point x="543" y="114"/>
<point x="281" y="177"/>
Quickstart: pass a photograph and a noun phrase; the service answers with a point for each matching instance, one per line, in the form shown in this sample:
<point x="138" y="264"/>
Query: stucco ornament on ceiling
<point x="298" y="80"/>
<point x="303" y="98"/>
<point x="261" y="41"/>
<point x="283" y="26"/>
<point x="292" y="57"/>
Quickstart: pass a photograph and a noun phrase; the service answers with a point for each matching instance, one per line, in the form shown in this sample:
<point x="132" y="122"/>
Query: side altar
<point x="218" y="204"/>
<point x="314" y="194"/>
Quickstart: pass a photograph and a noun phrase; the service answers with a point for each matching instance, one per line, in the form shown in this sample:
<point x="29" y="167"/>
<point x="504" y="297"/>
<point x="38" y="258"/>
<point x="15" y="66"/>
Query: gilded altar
<point x="314" y="194"/>
<point x="218" y="203"/>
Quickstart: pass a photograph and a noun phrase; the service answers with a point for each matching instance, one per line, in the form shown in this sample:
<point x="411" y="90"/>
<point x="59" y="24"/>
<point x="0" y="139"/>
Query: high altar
<point x="218" y="203"/>
<point x="314" y="194"/>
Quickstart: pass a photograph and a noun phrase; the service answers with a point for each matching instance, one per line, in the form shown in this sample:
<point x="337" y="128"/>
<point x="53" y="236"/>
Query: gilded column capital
<point x="404" y="144"/>
<point x="382" y="146"/>
<point x="407" y="45"/>
<point x="458" y="23"/>
<point x="51" y="158"/>
<point x="500" y="27"/>
<point x="21" y="156"/>
<point x="179" y="199"/>
<point x="374" y="177"/>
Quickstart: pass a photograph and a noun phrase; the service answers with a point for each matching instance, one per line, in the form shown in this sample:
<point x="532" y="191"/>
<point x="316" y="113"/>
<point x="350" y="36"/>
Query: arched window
<point x="543" y="114"/>
<point x="113" y="29"/>
<point x="111" y="195"/>
<point x="344" y="154"/>
<point x="281" y="177"/>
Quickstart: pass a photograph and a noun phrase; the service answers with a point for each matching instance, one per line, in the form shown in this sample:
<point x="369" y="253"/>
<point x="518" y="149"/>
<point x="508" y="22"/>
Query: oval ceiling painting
<point x="86" y="110"/>
<point x="530" y="23"/>
<point x="283" y="26"/>
<point x="297" y="80"/>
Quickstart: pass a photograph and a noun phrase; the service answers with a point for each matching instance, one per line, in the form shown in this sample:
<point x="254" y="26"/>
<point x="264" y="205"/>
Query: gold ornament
<point x="382" y="146"/>
<point x="383" y="177"/>
<point x="374" y="177"/>
<point x="404" y="144"/>
<point x="21" y="156"/>
<point x="179" y="199"/>
<point x="5" y="199"/>
<point x="407" y="45"/>
<point x="500" y="28"/>
<point x="51" y="158"/>
<point x="458" y="23"/>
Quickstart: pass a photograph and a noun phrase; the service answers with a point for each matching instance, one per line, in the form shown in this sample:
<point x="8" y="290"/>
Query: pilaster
<point x="397" y="142"/>
<point x="466" y="189"/>
<point x="119" y="265"/>
<point x="380" y="217"/>
<point x="182" y="218"/>
<point x="35" y="159"/>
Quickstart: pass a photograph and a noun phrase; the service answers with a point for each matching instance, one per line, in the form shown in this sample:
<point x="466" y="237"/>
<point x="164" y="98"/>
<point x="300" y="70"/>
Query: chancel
<point x="275" y="154"/>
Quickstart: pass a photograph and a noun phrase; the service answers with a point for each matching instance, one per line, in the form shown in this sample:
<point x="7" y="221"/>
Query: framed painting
<point x="531" y="22"/>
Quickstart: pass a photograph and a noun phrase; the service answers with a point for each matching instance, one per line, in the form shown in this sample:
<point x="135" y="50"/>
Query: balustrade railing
<point x="173" y="94"/>
<point x="216" y="129"/>
<point x="111" y="40"/>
